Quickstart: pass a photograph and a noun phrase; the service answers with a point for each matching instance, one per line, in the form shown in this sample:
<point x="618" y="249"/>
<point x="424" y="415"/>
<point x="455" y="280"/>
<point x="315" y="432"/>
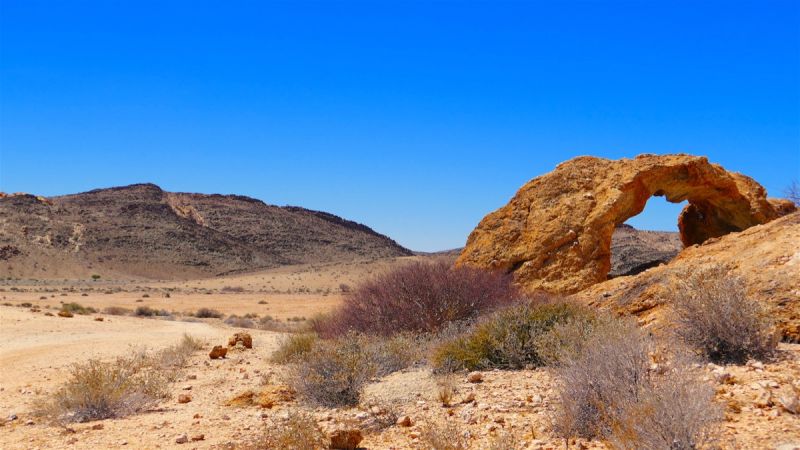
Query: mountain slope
<point x="143" y="231"/>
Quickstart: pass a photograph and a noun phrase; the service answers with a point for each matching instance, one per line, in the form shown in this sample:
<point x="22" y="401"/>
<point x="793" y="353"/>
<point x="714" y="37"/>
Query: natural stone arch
<point x="555" y="234"/>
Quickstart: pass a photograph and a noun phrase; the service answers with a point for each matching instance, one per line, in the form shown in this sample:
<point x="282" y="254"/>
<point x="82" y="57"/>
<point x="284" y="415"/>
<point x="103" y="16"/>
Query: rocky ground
<point x="37" y="351"/>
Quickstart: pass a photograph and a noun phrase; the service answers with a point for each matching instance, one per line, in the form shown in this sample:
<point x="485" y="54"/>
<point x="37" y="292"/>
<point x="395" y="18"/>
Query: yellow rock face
<point x="555" y="234"/>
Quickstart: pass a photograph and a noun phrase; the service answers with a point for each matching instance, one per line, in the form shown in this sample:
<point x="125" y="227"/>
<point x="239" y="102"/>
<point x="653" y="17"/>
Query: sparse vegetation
<point x="208" y="313"/>
<point x="77" y="308"/>
<point x="298" y="431"/>
<point x="99" y="390"/>
<point x="118" y="311"/>
<point x="443" y="437"/>
<point x="608" y="392"/>
<point x="511" y="338"/>
<point x="418" y="297"/>
<point x="146" y="311"/>
<point x="240" y="322"/>
<point x="294" y="347"/>
<point x="714" y="316"/>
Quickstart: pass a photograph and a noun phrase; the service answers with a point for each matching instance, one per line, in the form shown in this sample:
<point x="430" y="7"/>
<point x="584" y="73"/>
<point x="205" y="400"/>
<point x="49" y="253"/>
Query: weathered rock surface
<point x="555" y="234"/>
<point x="345" y="438"/>
<point x="218" y="352"/>
<point x="766" y="257"/>
<point x="244" y="338"/>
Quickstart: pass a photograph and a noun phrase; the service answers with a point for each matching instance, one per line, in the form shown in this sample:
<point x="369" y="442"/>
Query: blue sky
<point x="416" y="118"/>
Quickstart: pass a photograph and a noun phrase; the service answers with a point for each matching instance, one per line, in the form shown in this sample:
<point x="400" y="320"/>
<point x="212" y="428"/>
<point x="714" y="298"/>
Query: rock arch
<point x="555" y="234"/>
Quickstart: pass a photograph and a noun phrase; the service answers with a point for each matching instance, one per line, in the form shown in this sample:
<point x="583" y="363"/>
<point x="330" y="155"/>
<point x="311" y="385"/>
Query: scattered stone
<point x="790" y="402"/>
<point x="98" y="426"/>
<point x="245" y="339"/>
<point x="30" y="422"/>
<point x="404" y="421"/>
<point x="64" y="313"/>
<point x="218" y="352"/>
<point x="191" y="377"/>
<point x="345" y="438"/>
<point x="475" y="377"/>
<point x="182" y="439"/>
<point x="98" y="319"/>
<point x="198" y="437"/>
<point x="184" y="398"/>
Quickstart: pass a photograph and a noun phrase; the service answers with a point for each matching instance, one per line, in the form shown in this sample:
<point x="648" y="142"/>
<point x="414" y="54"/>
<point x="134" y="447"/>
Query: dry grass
<point x="445" y="389"/>
<point x="608" y="392"/>
<point x="77" y="308"/>
<point x="99" y="390"/>
<point x="118" y="311"/>
<point x="294" y="347"/>
<point x="449" y="436"/>
<point x="299" y="431"/>
<point x="714" y="316"/>
<point x="208" y="313"/>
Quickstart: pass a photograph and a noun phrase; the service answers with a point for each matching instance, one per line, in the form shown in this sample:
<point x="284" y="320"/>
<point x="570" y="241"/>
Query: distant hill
<point x="144" y="231"/>
<point x="634" y="251"/>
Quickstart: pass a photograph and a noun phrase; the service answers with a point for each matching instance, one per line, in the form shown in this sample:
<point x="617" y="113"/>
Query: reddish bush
<point x="418" y="297"/>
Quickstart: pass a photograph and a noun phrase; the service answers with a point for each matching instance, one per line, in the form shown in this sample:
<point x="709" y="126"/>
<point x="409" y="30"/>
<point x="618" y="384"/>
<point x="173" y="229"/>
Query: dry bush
<point x="208" y="313"/>
<point x="792" y="192"/>
<point x="240" y="322"/>
<point x="678" y="412"/>
<point x="294" y="347"/>
<point x="604" y="379"/>
<point x="77" y="308"/>
<point x="146" y="311"/>
<point x="445" y="389"/>
<point x="333" y="372"/>
<point x="608" y="392"/>
<point x="505" y="440"/>
<point x="507" y="339"/>
<point x="117" y="311"/>
<point x="418" y="297"/>
<point x="714" y="316"/>
<point x="443" y="437"/>
<point x="99" y="390"/>
<point x="299" y="431"/>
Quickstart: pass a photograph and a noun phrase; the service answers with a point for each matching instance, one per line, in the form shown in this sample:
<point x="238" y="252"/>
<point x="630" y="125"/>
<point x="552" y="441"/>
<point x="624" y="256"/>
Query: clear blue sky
<point x="416" y="118"/>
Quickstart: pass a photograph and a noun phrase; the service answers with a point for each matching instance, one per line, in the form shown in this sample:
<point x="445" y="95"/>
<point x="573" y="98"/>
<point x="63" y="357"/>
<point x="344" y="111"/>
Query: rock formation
<point x="555" y="234"/>
<point x="766" y="257"/>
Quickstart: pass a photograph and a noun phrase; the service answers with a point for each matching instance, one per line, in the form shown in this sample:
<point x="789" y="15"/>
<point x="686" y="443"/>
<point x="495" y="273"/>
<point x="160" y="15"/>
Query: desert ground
<point x="37" y="351"/>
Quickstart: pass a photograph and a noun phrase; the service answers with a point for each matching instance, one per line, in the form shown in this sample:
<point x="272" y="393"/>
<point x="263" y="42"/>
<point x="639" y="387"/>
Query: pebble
<point x="475" y="377"/>
<point x="182" y="439"/>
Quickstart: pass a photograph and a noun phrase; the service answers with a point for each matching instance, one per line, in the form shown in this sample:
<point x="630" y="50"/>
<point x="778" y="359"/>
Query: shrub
<point x="608" y="392"/>
<point x="714" y="316"/>
<point x="333" y="372"/>
<point x="418" y="297"/>
<point x="240" y="322"/>
<point x="507" y="339"/>
<point x="95" y="277"/>
<point x="208" y="313"/>
<point x="99" y="390"/>
<point x="445" y="389"/>
<point x="146" y="311"/>
<point x="443" y="437"/>
<point x="294" y="347"/>
<point x="77" y="308"/>
<point x="117" y="311"/>
<point x="298" y="431"/>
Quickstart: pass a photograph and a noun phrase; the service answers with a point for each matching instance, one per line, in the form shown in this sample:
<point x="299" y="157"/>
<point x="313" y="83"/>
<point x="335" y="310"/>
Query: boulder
<point x="555" y="233"/>
<point x="244" y="338"/>
<point x="345" y="438"/>
<point x="218" y="352"/>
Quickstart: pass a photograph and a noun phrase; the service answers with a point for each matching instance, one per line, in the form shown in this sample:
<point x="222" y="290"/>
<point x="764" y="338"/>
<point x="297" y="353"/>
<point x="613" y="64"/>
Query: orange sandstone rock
<point x="555" y="234"/>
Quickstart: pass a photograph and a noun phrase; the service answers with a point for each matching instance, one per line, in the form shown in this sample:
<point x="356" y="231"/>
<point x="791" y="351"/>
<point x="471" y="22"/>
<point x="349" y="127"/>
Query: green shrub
<point x="508" y="339"/>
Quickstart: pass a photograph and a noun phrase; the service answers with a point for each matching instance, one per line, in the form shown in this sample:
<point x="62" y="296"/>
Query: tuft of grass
<point x="714" y="316"/>
<point x="298" y="431"/>
<point x="443" y="437"/>
<point x="445" y="389"/>
<point x="146" y="311"/>
<point x="240" y="322"/>
<point x="117" y="311"/>
<point x="510" y="338"/>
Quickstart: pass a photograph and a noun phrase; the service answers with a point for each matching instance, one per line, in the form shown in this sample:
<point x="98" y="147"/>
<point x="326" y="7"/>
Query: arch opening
<point x="647" y="239"/>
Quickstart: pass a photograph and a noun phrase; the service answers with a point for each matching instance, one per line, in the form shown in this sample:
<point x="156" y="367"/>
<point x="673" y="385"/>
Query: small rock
<point x="182" y="439"/>
<point x="184" y="398"/>
<point x="191" y="377"/>
<point x="469" y="398"/>
<point x="98" y="426"/>
<point x="98" y="319"/>
<point x="790" y="402"/>
<point x="64" y="313"/>
<point x="788" y="446"/>
<point x="198" y="437"/>
<point x="763" y="399"/>
<point x="218" y="352"/>
<point x="12" y="417"/>
<point x="244" y="338"/>
<point x="404" y="421"/>
<point x="345" y="438"/>
<point x="30" y="422"/>
<point x="474" y="377"/>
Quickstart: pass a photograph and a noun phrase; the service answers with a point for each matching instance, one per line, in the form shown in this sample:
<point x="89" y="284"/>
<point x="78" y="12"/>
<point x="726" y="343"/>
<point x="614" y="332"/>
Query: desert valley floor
<point x="38" y="349"/>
